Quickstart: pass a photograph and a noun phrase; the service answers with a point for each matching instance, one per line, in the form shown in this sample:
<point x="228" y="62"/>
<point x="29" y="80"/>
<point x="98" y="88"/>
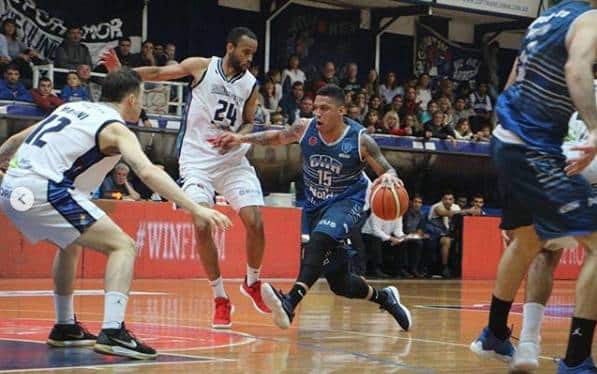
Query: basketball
<point x="388" y="202"/>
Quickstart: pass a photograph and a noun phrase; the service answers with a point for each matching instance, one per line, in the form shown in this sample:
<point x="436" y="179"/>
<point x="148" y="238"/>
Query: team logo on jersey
<point x="346" y="146"/>
<point x="312" y="140"/>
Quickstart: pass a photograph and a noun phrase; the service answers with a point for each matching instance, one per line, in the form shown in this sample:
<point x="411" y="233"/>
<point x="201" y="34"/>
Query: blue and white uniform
<point x="46" y="189"/>
<point x="527" y="146"/>
<point x="335" y="183"/>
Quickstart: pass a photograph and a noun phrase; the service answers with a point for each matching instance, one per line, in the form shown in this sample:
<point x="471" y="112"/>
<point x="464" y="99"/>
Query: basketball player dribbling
<point x="223" y="99"/>
<point x="45" y="192"/>
<point x="335" y="152"/>
<point x="544" y="197"/>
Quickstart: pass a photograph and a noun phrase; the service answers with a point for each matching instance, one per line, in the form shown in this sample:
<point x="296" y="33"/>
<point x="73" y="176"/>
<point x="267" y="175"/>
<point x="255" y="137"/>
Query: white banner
<point x="523" y="8"/>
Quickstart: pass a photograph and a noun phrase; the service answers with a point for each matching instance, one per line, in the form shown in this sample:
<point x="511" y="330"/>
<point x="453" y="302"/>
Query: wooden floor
<point x="329" y="335"/>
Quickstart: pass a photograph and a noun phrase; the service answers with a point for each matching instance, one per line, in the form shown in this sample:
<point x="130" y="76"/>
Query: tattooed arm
<point x="375" y="159"/>
<point x="271" y="137"/>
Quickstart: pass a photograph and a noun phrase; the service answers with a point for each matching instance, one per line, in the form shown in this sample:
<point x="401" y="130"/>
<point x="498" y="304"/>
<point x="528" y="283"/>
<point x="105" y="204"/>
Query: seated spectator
<point x="73" y="91"/>
<point x="390" y="124"/>
<point x="463" y="130"/>
<point x="268" y="96"/>
<point x="423" y="90"/>
<point x="11" y="88"/>
<point x="15" y="46"/>
<point x="371" y="122"/>
<point x="462" y="202"/>
<point x="159" y="54"/>
<point x="170" y="54"/>
<point x="354" y="113"/>
<point x="372" y="83"/>
<point x="461" y="111"/>
<point x="390" y="88"/>
<point x="275" y="76"/>
<point x="445" y="106"/>
<point x="116" y="185"/>
<point x="411" y="106"/>
<point x="396" y="104"/>
<point x="290" y="103"/>
<point x="441" y="230"/>
<point x="72" y="53"/>
<point x="375" y="103"/>
<point x="43" y="96"/>
<point x="292" y="73"/>
<point x="360" y="100"/>
<point x="446" y="89"/>
<point x="411" y="126"/>
<point x="350" y="81"/>
<point x="4" y="56"/>
<point x="477" y="208"/>
<point x="414" y="228"/>
<point x="348" y="97"/>
<point x="436" y="128"/>
<point x="328" y="76"/>
<point x="481" y="105"/>
<point x="145" y="57"/>
<point x="483" y="135"/>
<point x="427" y="115"/>
<point x="306" y="108"/>
<point x="123" y="51"/>
<point x="376" y="232"/>
<point x="84" y="73"/>
<point x="19" y="53"/>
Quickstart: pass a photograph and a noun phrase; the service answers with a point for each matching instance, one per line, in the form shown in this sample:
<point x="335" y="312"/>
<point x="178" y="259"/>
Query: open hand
<point x="110" y="60"/>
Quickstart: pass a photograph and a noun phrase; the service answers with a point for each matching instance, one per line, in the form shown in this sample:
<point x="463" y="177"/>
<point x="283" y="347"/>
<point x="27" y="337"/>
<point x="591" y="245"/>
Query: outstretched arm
<point x="194" y="66"/>
<point x="271" y="137"/>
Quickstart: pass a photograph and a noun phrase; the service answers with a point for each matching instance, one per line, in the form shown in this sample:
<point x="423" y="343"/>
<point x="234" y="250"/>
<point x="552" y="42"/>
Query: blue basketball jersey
<point x="332" y="171"/>
<point x="538" y="105"/>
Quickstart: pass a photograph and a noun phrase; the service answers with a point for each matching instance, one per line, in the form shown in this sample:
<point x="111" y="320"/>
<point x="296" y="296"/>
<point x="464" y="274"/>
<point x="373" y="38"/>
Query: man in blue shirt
<point x="11" y="88"/>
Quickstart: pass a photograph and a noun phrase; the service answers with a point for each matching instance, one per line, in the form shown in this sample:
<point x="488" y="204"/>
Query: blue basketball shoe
<point x="585" y="367"/>
<point x="488" y="345"/>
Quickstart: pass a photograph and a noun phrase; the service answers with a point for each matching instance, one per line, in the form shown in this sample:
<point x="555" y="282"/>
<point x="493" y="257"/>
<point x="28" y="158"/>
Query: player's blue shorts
<point x="535" y="190"/>
<point x="335" y="220"/>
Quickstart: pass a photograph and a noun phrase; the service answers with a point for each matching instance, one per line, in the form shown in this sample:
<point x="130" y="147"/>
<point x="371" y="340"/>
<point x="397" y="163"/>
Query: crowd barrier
<point x="483" y="245"/>
<point x="165" y="241"/>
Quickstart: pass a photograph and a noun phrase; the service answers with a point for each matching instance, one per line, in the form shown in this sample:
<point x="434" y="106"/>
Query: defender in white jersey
<point x="223" y="98"/>
<point x="45" y="192"/>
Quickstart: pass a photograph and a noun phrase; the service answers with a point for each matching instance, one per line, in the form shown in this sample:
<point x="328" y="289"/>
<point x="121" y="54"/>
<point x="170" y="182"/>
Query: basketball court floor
<point x="329" y="335"/>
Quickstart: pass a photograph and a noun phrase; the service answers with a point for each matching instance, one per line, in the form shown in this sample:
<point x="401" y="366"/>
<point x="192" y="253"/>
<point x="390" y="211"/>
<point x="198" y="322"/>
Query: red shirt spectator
<point x="43" y="96"/>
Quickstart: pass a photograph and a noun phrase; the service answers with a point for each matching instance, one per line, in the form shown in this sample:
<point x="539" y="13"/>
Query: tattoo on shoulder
<point x="372" y="153"/>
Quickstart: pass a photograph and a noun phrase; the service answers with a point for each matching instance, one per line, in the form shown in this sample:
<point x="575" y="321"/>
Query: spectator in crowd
<point x="478" y="203"/>
<point x="14" y="45"/>
<point x="72" y="53"/>
<point x="414" y="227"/>
<point x="396" y="104"/>
<point x="484" y="135"/>
<point x="123" y="51"/>
<point x="371" y="121"/>
<point x="446" y="89"/>
<point x="436" y="128"/>
<point x="389" y="89"/>
<point x="159" y="54"/>
<point x="423" y="90"/>
<point x="348" y="97"/>
<point x="4" y="56"/>
<point x="290" y="103"/>
<point x="277" y="118"/>
<point x="481" y="105"/>
<point x="360" y="100"/>
<point x="275" y="76"/>
<point x="376" y="232"/>
<point x="306" y="108"/>
<point x="354" y="113"/>
<point x="445" y="106"/>
<point x="427" y="115"/>
<point x="460" y="110"/>
<point x="390" y="124"/>
<point x="11" y="88"/>
<point x="43" y="96"/>
<point x="411" y="126"/>
<point x="464" y="91"/>
<point x="170" y="54"/>
<point x="292" y="73"/>
<point x="270" y="99"/>
<point x="411" y="105"/>
<point x="350" y="81"/>
<point x="117" y="186"/>
<point x="328" y="76"/>
<point x="84" y="74"/>
<point x="463" y="130"/>
<point x="372" y="83"/>
<point x="441" y="229"/>
<point x="73" y="91"/>
<point x="462" y="202"/>
<point x="145" y="57"/>
<point x="19" y="54"/>
<point x="375" y="103"/>
<point x="410" y="82"/>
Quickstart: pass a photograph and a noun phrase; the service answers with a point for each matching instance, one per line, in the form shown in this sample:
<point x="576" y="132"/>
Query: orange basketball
<point x="388" y="202"/>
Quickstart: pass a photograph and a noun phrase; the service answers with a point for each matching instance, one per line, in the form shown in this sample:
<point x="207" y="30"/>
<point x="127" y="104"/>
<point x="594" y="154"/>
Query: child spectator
<point x="463" y="130"/>
<point x="43" y="96"/>
<point x="73" y="91"/>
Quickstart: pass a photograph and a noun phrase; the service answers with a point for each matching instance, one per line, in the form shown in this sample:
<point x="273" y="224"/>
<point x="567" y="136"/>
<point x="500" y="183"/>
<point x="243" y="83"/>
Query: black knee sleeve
<point x="312" y="257"/>
<point x="346" y="284"/>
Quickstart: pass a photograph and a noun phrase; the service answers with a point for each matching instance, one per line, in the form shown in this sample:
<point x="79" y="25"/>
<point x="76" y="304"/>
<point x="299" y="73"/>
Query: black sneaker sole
<point x="273" y="302"/>
<point x="116" y="350"/>
<point x="70" y="343"/>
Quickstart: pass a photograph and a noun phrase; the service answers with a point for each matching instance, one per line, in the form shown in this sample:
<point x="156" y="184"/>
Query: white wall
<point x="403" y="26"/>
<point x="252" y="5"/>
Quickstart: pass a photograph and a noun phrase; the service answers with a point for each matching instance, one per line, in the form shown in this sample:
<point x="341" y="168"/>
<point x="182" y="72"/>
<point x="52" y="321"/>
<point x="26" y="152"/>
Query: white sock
<point x="532" y="316"/>
<point x="63" y="305"/>
<point x="114" y="309"/>
<point x="217" y="287"/>
<point x="252" y="275"/>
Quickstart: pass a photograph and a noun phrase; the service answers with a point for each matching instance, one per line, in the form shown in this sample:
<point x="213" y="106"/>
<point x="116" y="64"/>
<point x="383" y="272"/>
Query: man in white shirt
<point x="375" y="233"/>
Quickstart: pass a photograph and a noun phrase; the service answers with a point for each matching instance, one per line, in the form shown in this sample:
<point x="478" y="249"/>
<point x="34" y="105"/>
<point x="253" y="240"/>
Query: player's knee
<point x="316" y="248"/>
<point x="546" y="261"/>
<point x="348" y="285"/>
<point x="252" y="219"/>
<point x="122" y="243"/>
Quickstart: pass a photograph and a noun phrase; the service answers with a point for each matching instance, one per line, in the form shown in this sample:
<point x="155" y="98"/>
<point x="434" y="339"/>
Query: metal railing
<point x="49" y="70"/>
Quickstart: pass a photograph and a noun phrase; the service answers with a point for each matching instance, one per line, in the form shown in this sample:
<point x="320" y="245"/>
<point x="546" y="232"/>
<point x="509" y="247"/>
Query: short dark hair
<point x="417" y="195"/>
<point x="145" y="42"/>
<point x="478" y="196"/>
<point x="447" y="192"/>
<point x="118" y="84"/>
<point x="44" y="79"/>
<point x="237" y="33"/>
<point x="298" y="84"/>
<point x="12" y="67"/>
<point x="333" y="92"/>
<point x="124" y="39"/>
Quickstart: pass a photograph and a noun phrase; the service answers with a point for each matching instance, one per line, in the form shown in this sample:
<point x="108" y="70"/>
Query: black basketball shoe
<point x="70" y="335"/>
<point x="122" y="342"/>
<point x="392" y="305"/>
<point x="278" y="303"/>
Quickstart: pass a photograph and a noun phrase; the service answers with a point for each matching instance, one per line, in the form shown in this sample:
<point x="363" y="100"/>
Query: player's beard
<point x="236" y="65"/>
